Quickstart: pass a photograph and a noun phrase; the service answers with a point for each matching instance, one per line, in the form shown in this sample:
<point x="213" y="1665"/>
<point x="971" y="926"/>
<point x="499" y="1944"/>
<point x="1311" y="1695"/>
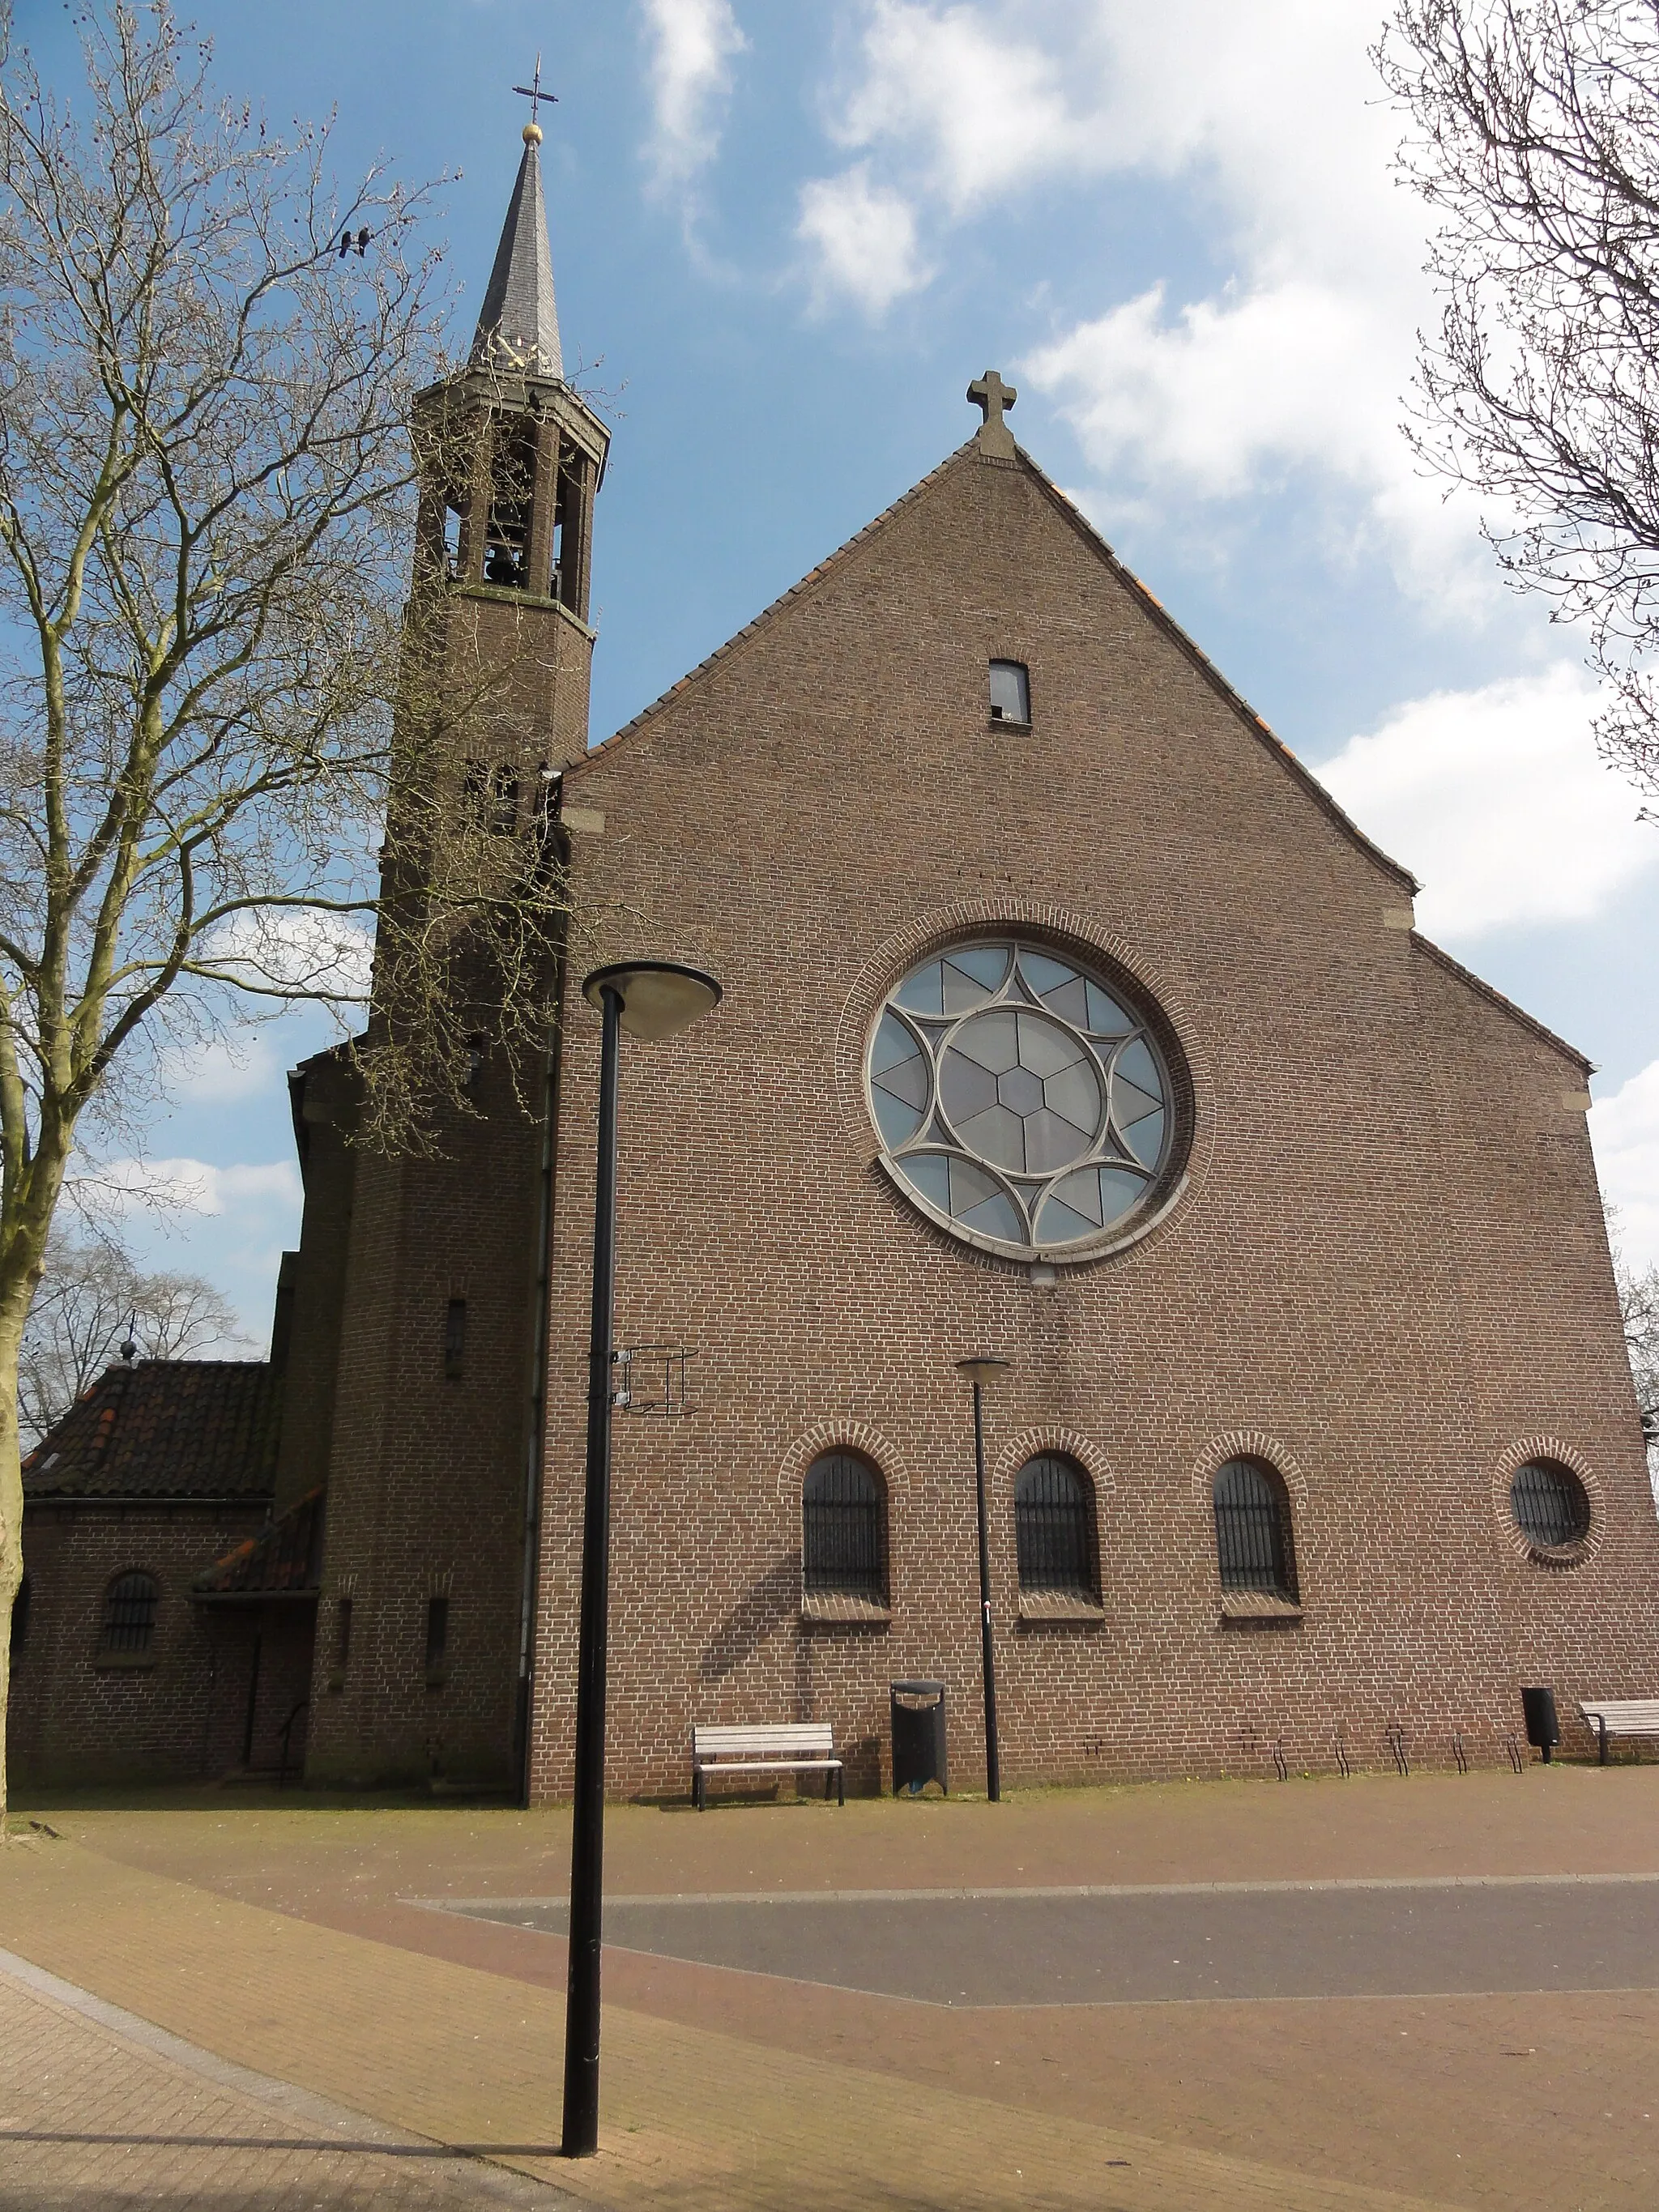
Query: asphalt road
<point x="1273" y="1941"/>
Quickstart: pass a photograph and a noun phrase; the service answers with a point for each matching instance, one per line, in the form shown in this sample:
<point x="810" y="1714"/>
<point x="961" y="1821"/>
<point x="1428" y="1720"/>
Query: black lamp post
<point x="979" y="1372"/>
<point x="649" y="998"/>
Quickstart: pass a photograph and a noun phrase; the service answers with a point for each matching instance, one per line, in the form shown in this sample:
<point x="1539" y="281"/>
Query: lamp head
<point x="987" y="1368"/>
<point x="659" y="998"/>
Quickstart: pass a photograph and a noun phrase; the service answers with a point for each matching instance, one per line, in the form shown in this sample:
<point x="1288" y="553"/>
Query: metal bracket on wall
<point x="653" y="1378"/>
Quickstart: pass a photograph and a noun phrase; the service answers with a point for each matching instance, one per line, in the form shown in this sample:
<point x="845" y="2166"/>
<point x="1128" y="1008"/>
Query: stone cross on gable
<point x="993" y="398"/>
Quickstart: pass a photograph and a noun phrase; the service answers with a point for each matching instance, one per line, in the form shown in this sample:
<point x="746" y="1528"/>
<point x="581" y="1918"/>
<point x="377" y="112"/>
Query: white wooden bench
<point x="1621" y="1716"/>
<point x="769" y="1748"/>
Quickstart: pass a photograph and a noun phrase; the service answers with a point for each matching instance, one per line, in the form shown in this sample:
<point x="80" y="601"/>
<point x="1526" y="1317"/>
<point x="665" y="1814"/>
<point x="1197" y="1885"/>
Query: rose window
<point x="1021" y="1101"/>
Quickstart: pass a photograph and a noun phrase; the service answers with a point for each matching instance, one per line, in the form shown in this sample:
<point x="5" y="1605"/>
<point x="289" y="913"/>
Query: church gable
<point x="870" y="679"/>
<point x="981" y="553"/>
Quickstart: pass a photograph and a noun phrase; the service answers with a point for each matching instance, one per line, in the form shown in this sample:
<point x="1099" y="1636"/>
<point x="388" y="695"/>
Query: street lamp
<point x="979" y="1372"/>
<point x="651" y="999"/>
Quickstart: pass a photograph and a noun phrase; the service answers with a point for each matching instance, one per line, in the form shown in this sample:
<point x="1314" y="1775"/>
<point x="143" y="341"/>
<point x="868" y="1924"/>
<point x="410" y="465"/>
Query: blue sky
<point x="793" y="233"/>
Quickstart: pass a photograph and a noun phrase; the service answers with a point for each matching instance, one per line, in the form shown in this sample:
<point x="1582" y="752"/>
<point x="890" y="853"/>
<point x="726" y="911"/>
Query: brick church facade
<point x="1066" y="1018"/>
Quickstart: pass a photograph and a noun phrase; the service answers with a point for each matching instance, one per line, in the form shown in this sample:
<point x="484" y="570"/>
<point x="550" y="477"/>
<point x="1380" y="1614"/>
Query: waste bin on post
<point x="1543" y="1727"/>
<point x="918" y="1710"/>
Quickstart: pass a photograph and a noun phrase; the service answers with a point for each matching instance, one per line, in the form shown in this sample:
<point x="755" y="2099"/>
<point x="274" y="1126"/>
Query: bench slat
<point x="1624" y="1716"/>
<point x="769" y="1765"/>
<point x="805" y="1736"/>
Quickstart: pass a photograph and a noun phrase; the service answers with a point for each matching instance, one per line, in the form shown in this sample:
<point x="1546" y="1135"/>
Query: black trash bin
<point x="1543" y="1727"/>
<point x="918" y="1710"/>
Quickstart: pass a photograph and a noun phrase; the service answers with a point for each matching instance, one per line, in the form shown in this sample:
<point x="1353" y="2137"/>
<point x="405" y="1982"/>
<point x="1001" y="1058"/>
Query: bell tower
<point x="512" y="459"/>
<point x="433" y="1428"/>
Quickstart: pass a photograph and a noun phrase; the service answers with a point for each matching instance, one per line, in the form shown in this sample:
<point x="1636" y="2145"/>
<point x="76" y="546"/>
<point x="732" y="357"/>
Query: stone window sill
<point x="1037" y="1607"/>
<point x="124" y="1662"/>
<point x="1007" y="722"/>
<point x="825" y="1605"/>
<point x="1258" y="1605"/>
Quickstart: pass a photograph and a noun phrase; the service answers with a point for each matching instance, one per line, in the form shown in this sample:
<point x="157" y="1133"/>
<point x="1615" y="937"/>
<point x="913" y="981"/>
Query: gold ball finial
<point x="532" y="134"/>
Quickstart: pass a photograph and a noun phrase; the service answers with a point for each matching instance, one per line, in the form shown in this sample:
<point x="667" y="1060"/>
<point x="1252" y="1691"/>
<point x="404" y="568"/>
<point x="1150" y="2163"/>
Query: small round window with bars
<point x="1024" y="1102"/>
<point x="1551" y="1505"/>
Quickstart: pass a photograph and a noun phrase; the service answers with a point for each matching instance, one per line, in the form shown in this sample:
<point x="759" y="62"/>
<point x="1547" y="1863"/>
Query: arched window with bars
<point x="1055" y="1526"/>
<point x="843" y="1528"/>
<point x="1254" y="1543"/>
<point x="128" y="1627"/>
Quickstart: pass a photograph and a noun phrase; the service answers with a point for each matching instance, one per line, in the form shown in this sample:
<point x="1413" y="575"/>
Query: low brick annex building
<point x="1066" y="1018"/>
<point x="120" y="1670"/>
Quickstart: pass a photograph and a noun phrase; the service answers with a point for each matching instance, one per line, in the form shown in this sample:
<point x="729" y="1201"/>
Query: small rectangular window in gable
<point x="1011" y="691"/>
<point x="455" y="1340"/>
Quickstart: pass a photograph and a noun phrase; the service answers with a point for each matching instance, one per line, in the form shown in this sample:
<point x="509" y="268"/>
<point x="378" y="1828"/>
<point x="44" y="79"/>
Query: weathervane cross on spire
<point x="532" y="92"/>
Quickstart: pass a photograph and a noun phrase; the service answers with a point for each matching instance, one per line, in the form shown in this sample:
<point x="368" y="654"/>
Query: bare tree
<point x="92" y="1293"/>
<point x="1534" y="137"/>
<point x="209" y="361"/>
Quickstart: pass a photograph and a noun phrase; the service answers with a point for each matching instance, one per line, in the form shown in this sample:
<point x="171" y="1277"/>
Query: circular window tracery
<point x="1019" y="1098"/>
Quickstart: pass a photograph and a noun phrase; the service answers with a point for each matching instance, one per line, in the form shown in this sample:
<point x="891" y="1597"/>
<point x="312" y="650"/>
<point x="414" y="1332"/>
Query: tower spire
<point x="518" y="324"/>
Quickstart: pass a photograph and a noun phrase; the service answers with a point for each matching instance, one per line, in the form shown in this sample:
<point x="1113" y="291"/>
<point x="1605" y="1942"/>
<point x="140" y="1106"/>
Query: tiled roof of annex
<point x="165" y="1428"/>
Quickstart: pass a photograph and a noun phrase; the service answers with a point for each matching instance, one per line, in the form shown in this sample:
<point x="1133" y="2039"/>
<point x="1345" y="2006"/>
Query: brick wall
<point x="1386" y="1273"/>
<point x="327" y="1103"/>
<point x="427" y="1486"/>
<point x="76" y="1716"/>
<point x="427" y="1470"/>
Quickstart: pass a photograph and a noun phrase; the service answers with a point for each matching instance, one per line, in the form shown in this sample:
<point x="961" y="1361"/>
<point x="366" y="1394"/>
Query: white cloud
<point x="694" y="44"/>
<point x="1624" y="1131"/>
<point x="219" y="1072"/>
<point x="189" y="1186"/>
<point x="1274" y="110"/>
<point x="864" y="238"/>
<point x="1222" y="391"/>
<point x="1271" y="119"/>
<point x="1496" y="801"/>
<point x="985" y="112"/>
<point x="295" y="949"/>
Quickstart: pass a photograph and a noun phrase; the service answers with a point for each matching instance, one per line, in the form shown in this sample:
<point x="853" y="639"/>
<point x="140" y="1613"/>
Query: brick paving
<point x="282" y="1938"/>
<point x="98" y="2114"/>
